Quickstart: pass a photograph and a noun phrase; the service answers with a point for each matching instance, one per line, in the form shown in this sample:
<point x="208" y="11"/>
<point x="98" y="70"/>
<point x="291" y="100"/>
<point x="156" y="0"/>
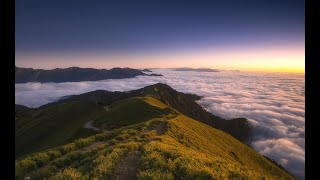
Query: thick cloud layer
<point x="273" y="103"/>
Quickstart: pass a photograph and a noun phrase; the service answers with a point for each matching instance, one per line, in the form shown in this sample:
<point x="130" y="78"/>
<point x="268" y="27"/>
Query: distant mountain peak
<point x="197" y="69"/>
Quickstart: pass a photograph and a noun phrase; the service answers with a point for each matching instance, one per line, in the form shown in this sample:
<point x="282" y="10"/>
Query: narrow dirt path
<point x="128" y="167"/>
<point x="88" y="125"/>
<point x="107" y="108"/>
<point x="93" y="145"/>
<point x="161" y="128"/>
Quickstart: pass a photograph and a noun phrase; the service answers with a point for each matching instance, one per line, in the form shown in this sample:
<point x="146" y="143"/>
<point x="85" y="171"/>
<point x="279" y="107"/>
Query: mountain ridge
<point x="185" y="103"/>
<point x="74" y="74"/>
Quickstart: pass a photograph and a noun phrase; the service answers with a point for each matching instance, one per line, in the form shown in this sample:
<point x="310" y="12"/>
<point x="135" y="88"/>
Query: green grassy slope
<point x="130" y="111"/>
<point x="171" y="146"/>
<point x="62" y="123"/>
<point x="53" y="126"/>
<point x="212" y="153"/>
<point x="184" y="103"/>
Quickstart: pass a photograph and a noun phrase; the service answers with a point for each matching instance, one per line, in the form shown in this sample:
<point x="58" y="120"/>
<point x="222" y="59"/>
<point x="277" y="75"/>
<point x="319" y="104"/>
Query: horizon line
<point x="258" y="70"/>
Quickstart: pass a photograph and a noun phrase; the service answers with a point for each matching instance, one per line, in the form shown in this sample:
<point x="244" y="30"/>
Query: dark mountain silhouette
<point x="73" y="74"/>
<point x="146" y="70"/>
<point x="153" y="74"/>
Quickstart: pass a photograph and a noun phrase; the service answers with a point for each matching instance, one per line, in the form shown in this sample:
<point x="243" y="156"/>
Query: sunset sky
<point x="243" y="35"/>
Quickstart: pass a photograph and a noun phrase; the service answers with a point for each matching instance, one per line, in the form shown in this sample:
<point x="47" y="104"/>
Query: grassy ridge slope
<point x="184" y="103"/>
<point x="172" y="146"/>
<point x="53" y="126"/>
<point x="62" y="123"/>
<point x="130" y="111"/>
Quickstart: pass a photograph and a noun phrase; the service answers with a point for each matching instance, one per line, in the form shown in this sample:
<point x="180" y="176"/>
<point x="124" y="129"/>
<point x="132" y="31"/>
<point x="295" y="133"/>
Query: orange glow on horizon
<point x="276" y="59"/>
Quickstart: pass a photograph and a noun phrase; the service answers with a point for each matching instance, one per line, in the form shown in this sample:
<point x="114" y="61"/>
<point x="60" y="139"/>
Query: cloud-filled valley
<point x="273" y="103"/>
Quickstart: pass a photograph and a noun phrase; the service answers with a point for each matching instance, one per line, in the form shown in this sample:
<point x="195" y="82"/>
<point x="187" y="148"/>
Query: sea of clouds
<point x="274" y="103"/>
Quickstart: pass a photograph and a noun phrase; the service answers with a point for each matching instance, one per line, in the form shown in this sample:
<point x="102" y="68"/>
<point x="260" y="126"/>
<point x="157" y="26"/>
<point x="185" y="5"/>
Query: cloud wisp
<point x="273" y="103"/>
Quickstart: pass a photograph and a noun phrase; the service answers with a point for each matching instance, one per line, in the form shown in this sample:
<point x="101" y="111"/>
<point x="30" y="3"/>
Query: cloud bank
<point x="273" y="103"/>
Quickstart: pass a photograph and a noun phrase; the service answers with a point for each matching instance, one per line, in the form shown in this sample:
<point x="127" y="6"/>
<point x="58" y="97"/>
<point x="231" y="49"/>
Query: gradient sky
<point x="245" y="35"/>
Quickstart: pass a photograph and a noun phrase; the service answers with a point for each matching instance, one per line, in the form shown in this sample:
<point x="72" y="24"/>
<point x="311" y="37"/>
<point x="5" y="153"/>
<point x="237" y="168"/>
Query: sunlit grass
<point x="183" y="149"/>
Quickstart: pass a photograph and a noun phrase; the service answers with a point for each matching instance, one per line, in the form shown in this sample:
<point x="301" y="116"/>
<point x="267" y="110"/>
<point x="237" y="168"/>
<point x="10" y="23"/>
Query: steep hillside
<point x="184" y="103"/>
<point x="52" y="126"/>
<point x="166" y="145"/>
<point x="64" y="122"/>
<point x="60" y="122"/>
